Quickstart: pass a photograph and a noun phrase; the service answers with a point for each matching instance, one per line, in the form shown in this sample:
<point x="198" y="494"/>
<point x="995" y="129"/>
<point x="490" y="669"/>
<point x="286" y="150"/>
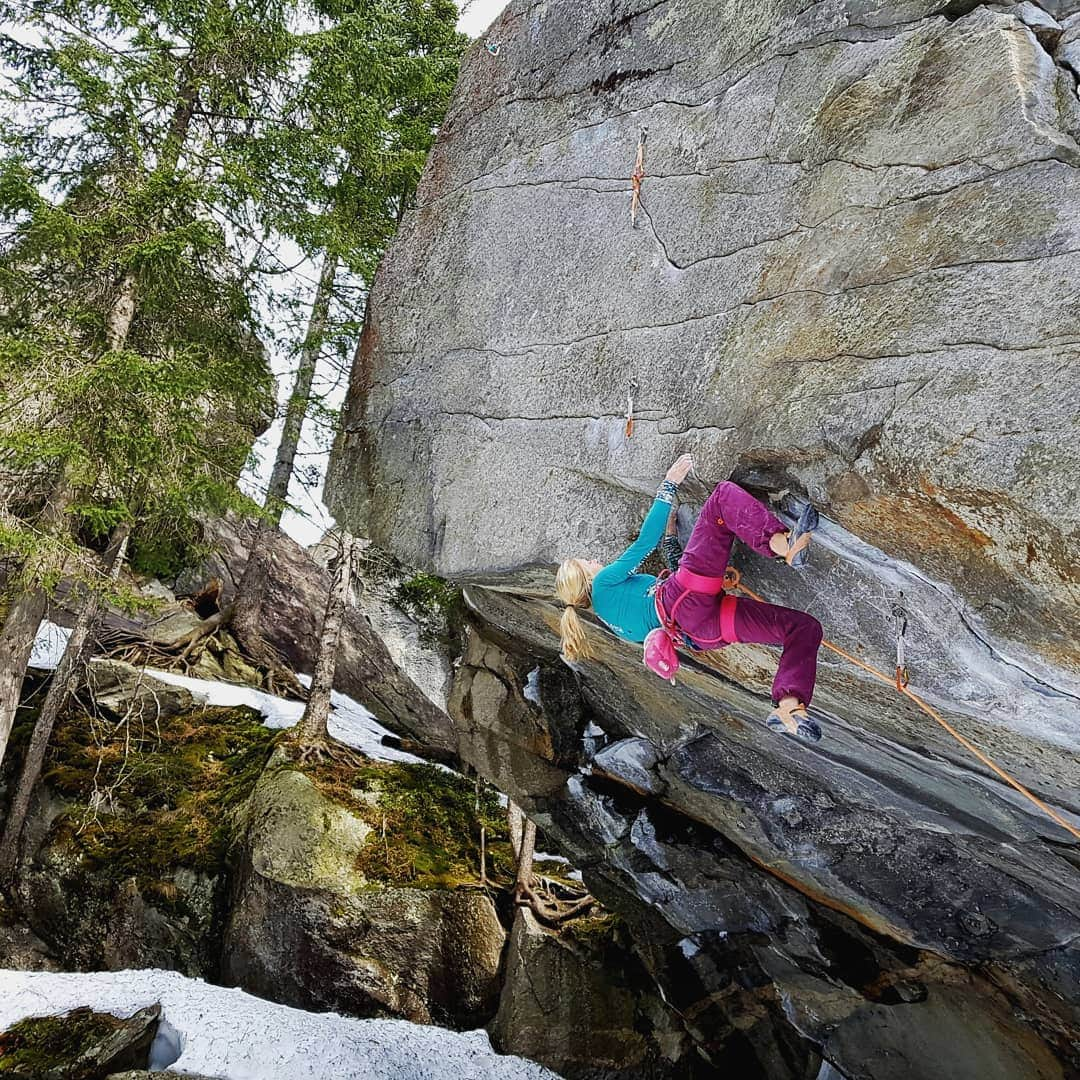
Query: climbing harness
<point x="900" y="624"/>
<point x="637" y="176"/>
<point x="631" y="390"/>
<point x="660" y="654"/>
<point x="733" y="580"/>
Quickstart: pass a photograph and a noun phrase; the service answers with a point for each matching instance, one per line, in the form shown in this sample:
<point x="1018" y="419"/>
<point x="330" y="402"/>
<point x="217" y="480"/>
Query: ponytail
<point x="575" y="642"/>
<point x="573" y="585"/>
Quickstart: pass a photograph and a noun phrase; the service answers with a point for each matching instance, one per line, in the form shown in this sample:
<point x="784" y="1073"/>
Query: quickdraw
<point x="637" y="176"/>
<point x="900" y="626"/>
<point x="631" y="390"/>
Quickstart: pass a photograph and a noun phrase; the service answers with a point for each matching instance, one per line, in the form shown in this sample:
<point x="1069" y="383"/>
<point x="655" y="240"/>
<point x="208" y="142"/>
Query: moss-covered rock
<point x="130" y="835"/>
<point x="80" y="1045"/>
<point x="359" y="891"/>
<point x="428" y="822"/>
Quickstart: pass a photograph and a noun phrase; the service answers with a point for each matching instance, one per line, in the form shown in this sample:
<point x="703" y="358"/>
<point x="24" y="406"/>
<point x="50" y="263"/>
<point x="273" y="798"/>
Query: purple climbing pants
<point x="730" y="512"/>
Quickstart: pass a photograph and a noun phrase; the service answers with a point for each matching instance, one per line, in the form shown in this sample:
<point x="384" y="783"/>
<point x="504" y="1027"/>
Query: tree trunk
<point x="515" y="820"/>
<point x="251" y="592"/>
<point x="122" y="314"/>
<point x="16" y="644"/>
<point x="312" y="727"/>
<point x="64" y="681"/>
<point x="523" y="883"/>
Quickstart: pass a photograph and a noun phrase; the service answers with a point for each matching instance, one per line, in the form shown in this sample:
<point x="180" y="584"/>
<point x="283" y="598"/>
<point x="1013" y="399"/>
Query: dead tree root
<point x="550" y="909"/>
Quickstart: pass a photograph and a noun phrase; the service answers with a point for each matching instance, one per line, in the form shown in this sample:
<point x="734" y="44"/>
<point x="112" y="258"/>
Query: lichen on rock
<point x="359" y="891"/>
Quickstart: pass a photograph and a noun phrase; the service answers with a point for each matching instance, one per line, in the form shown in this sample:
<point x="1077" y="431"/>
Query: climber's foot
<point x="809" y="729"/>
<point x="791" y="718"/>
<point x="799" y="537"/>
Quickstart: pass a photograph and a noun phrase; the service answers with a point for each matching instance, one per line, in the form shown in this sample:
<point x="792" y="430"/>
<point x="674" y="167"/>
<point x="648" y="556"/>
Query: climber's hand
<point x="677" y="473"/>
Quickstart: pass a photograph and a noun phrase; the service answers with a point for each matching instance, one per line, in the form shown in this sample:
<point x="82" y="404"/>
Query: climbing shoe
<point x="794" y="721"/>
<point x="799" y="537"/>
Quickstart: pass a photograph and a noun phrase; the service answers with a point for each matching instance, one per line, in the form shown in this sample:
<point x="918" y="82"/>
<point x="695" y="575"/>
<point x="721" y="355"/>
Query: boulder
<point x="80" y="1045"/>
<point x="375" y="638"/>
<point x="850" y="280"/>
<point x="126" y="847"/>
<point x="307" y="928"/>
<point x="126" y="691"/>
<point x="579" y="1003"/>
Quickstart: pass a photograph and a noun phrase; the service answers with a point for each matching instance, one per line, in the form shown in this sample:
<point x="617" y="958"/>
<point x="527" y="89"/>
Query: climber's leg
<point x="798" y="633"/>
<point x="729" y="512"/>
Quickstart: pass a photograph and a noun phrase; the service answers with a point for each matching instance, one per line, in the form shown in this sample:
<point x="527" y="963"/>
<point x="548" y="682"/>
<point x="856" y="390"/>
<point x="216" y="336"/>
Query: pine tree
<point x="131" y="376"/>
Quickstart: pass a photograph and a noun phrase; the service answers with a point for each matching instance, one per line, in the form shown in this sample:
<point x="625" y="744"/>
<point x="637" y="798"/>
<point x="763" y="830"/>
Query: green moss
<point x="432" y="602"/>
<point x="153" y="798"/>
<point x="426" y="823"/>
<point x="596" y="932"/>
<point x="32" y="1047"/>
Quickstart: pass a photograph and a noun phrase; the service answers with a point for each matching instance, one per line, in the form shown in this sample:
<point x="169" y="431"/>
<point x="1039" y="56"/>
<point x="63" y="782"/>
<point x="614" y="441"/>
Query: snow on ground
<point x="350" y="722"/>
<point x="49" y="646"/>
<point x="230" y="1034"/>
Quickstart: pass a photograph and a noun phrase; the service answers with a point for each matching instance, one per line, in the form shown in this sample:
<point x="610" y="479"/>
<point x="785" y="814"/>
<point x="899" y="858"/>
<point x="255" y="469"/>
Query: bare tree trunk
<point x="16" y="644"/>
<point x="247" y="613"/>
<point x="515" y="819"/>
<point x="312" y="727"/>
<point x="122" y="314"/>
<point x="64" y="681"/>
<point x="523" y="885"/>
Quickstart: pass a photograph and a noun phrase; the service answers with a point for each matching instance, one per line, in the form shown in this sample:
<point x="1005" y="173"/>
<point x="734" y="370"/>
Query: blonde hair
<point x="573" y="586"/>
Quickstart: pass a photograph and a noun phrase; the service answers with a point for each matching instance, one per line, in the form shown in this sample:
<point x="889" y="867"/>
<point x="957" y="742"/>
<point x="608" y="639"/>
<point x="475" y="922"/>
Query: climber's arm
<point x="651" y="532"/>
<point x="670" y="547"/>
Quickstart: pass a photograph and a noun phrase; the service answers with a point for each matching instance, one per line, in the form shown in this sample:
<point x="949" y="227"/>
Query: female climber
<point x="624" y="600"/>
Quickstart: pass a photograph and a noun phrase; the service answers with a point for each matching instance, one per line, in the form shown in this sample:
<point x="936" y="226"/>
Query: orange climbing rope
<point x="734" y="581"/>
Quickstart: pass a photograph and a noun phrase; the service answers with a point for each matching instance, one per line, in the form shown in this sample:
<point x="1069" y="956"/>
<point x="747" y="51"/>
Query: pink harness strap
<point x="700" y="583"/>
<point x="710" y="586"/>
<point x="727" y="618"/>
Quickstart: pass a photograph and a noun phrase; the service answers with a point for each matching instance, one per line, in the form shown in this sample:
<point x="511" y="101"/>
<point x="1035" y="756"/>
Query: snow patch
<point x="230" y="1034"/>
<point x="349" y="722"/>
<point x="49" y="646"/>
<point x="532" y="687"/>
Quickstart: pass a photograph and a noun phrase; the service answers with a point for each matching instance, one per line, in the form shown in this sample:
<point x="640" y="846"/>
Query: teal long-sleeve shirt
<point x="620" y="597"/>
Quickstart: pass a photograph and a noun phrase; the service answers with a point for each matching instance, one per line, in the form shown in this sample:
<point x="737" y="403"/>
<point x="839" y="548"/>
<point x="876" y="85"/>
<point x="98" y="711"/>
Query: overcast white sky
<point x="479" y="15"/>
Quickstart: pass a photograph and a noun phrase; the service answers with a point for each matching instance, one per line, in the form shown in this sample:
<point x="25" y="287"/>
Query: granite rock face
<point x="852" y="906"/>
<point x="853" y="275"/>
<point x="852" y="279"/>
